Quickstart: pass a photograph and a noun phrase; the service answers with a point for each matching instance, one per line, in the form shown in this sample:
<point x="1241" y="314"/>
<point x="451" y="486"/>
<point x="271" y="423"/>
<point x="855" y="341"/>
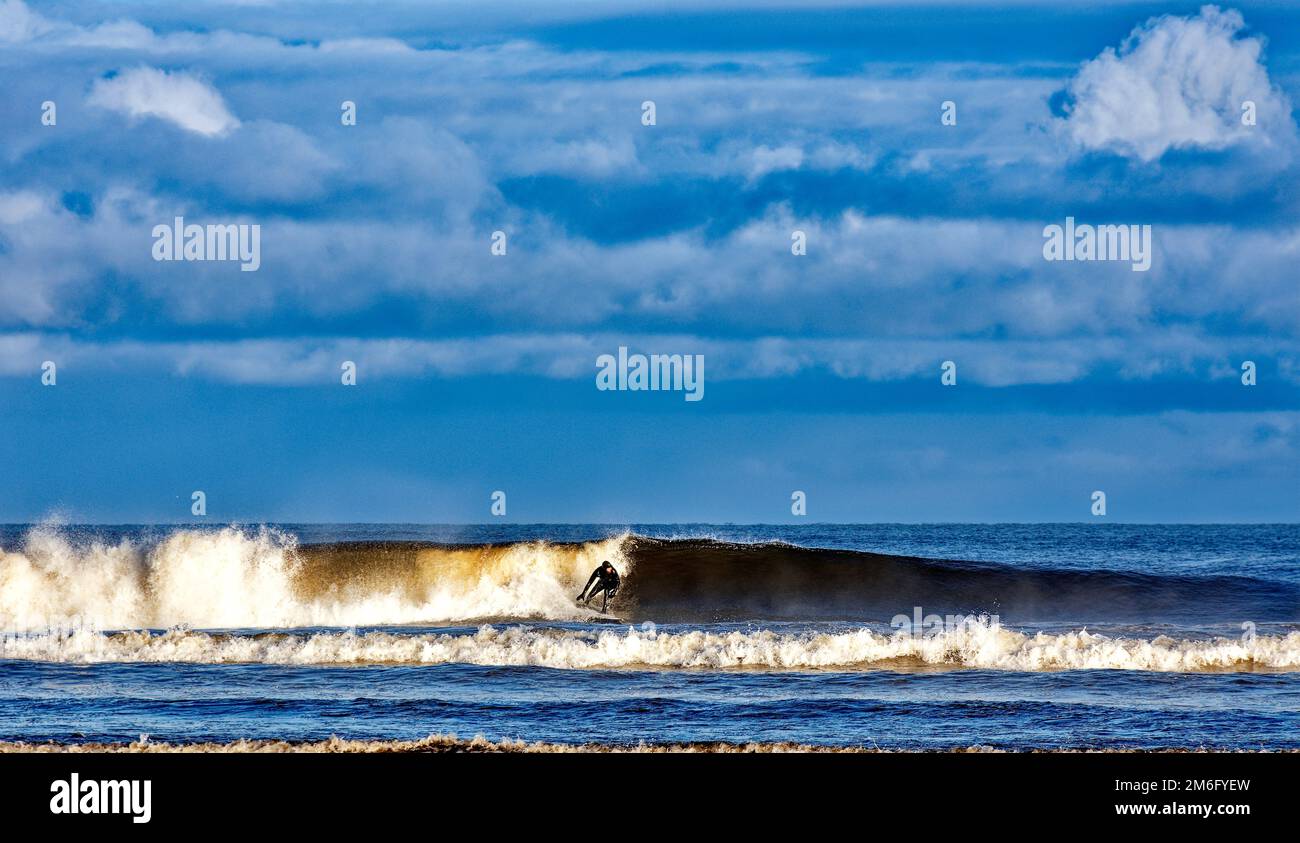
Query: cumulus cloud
<point x="175" y="96"/>
<point x="19" y="23"/>
<point x="769" y="160"/>
<point x="382" y="229"/>
<point x="823" y="156"/>
<point x="864" y="275"/>
<point x="1176" y="82"/>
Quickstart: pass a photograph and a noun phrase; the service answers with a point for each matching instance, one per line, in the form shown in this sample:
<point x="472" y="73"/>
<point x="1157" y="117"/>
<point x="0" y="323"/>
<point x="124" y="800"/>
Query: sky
<point x="476" y="372"/>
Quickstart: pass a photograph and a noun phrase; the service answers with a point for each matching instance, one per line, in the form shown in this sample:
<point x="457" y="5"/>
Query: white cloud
<point x="769" y="160"/>
<point x="174" y="96"/>
<point x="19" y="23"/>
<point x="1176" y="83"/>
<point x="823" y="156"/>
<point x="880" y="276"/>
<point x="581" y="158"/>
<point x="17" y="208"/>
<point x="308" y="360"/>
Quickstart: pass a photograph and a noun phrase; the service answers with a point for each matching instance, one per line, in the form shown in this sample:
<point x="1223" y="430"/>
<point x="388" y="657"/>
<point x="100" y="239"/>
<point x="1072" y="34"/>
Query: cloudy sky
<point x="476" y="372"/>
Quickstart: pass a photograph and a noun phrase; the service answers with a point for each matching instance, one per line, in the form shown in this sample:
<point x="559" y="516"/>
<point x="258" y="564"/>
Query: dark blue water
<point x="1164" y="681"/>
<point x="1101" y="709"/>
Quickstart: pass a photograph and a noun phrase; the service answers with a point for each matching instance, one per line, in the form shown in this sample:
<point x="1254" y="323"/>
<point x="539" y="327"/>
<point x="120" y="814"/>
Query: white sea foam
<point x="976" y="645"/>
<point x="236" y="579"/>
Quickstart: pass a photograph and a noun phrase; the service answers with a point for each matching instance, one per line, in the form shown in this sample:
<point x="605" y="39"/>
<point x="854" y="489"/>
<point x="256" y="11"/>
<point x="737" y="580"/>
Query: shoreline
<point x="450" y="744"/>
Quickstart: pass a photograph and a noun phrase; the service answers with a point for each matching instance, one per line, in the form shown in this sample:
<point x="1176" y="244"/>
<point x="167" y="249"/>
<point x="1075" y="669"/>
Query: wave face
<point x="697" y="579"/>
<point x="231" y="578"/>
<point x="976" y="644"/>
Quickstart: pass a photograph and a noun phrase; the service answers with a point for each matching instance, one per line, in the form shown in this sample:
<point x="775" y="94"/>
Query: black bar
<point x="671" y="793"/>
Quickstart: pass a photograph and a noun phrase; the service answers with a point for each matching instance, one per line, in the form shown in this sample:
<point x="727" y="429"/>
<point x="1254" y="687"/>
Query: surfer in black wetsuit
<point x="606" y="579"/>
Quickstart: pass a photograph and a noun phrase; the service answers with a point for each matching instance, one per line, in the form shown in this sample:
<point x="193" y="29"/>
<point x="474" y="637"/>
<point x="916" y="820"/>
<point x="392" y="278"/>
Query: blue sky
<point x="477" y="372"/>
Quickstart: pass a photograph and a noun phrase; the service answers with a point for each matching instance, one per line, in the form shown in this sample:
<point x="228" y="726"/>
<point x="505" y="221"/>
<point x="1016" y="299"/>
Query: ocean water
<point x="893" y="636"/>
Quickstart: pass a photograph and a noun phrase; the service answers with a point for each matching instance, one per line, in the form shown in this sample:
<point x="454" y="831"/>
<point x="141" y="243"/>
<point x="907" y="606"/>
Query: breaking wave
<point x="975" y="644"/>
<point x="262" y="579"/>
<point x="235" y="579"/>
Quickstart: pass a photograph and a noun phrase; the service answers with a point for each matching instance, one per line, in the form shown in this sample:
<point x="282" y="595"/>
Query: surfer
<point x="606" y="579"/>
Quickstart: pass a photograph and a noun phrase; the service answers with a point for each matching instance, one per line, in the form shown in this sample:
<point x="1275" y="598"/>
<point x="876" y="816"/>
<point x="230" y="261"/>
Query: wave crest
<point x="981" y="644"/>
<point x="231" y="578"/>
<point x="239" y="579"/>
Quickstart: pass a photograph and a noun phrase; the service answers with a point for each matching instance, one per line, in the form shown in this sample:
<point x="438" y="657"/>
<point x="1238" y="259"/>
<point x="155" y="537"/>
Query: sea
<point x="1093" y="636"/>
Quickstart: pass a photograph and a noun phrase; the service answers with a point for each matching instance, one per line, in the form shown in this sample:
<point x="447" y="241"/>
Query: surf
<point x="237" y="578"/>
<point x="980" y="645"/>
<point x="263" y="578"/>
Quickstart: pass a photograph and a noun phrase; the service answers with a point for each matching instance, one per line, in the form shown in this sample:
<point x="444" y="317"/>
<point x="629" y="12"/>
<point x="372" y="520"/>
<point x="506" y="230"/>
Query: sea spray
<point x="233" y="578"/>
<point x="982" y="644"/>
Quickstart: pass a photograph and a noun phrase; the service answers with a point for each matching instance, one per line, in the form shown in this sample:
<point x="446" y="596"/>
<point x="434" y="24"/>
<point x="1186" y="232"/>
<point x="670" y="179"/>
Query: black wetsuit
<point x="608" y="583"/>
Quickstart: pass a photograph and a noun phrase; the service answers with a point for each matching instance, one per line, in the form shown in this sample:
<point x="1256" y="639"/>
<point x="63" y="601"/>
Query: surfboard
<point x="598" y="617"/>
